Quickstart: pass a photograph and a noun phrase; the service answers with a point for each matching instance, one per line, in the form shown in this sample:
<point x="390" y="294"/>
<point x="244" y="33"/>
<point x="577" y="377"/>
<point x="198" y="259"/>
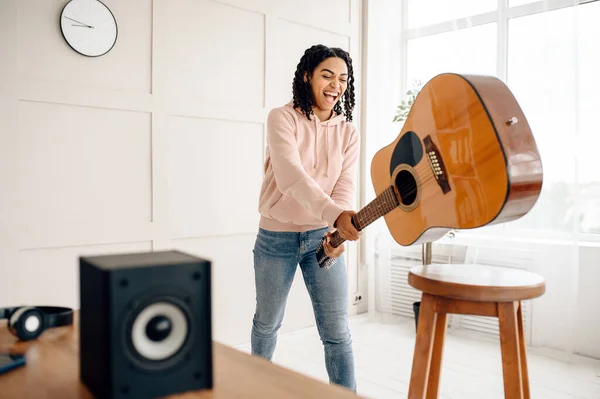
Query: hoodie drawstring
<point x="327" y="151"/>
<point x="316" y="150"/>
<point x="326" y="148"/>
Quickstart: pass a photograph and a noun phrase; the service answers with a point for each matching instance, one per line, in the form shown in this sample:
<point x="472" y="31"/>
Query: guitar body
<point x="465" y="158"/>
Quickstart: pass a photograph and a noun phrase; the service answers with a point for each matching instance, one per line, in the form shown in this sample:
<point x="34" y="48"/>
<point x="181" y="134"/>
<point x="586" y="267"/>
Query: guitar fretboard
<point x="381" y="205"/>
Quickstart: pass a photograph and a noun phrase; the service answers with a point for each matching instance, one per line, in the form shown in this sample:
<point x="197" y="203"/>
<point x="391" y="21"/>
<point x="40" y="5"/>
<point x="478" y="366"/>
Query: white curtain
<point x="546" y="52"/>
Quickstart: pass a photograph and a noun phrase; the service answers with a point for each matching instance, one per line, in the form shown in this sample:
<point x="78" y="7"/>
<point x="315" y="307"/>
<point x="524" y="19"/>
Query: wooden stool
<point x="472" y="290"/>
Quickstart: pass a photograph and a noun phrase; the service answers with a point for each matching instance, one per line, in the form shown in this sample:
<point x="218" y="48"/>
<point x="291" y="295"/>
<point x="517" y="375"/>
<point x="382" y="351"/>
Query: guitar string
<point x="427" y="167"/>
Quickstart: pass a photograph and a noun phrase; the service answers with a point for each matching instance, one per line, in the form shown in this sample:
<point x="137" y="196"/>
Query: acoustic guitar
<point x="465" y="158"/>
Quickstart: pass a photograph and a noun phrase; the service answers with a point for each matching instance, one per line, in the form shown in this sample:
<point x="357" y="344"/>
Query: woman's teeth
<point x="331" y="96"/>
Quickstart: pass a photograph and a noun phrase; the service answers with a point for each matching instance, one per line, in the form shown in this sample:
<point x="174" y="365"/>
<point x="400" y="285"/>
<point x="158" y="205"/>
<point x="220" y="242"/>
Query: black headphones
<point x="28" y="322"/>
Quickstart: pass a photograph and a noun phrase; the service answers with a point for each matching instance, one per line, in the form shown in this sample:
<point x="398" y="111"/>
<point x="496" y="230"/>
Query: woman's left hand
<point x="344" y="226"/>
<point x="330" y="250"/>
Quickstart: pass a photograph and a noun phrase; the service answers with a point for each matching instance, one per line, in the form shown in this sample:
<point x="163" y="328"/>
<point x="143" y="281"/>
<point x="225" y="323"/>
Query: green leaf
<point x="403" y="110"/>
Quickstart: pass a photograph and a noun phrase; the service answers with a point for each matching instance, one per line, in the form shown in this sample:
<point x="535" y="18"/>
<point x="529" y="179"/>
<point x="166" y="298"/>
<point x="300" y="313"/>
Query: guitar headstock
<point x="322" y="258"/>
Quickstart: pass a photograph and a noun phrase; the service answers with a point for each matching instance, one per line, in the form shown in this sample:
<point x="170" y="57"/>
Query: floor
<point x="472" y="365"/>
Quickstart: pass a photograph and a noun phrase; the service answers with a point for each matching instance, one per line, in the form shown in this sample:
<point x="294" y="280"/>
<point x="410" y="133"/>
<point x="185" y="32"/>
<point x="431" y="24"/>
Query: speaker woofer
<point x="158" y="332"/>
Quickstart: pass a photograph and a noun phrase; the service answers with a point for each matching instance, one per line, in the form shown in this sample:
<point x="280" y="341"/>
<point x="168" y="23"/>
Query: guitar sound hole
<point x="407" y="187"/>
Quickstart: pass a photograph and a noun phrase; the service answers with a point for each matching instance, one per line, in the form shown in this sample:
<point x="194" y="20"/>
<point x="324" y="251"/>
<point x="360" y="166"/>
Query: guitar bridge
<point x="436" y="163"/>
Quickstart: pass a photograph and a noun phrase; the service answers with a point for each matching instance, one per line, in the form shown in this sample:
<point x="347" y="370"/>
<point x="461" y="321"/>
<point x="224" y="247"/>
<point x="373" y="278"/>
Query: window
<point x="471" y="50"/>
<point x="552" y="57"/>
<point x="541" y="62"/>
<point x="547" y="54"/>
<point x="588" y="106"/>
<point x="429" y="12"/>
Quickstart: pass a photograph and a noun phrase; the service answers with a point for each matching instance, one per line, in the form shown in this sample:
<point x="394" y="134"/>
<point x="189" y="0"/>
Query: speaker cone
<point x="158" y="332"/>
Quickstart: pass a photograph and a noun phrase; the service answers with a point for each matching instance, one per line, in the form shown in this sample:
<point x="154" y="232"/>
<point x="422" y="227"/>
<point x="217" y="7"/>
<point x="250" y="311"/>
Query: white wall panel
<point x="216" y="54"/>
<point x="51" y="275"/>
<point x="290" y="42"/>
<point x="44" y="55"/>
<point x="233" y="291"/>
<point x="158" y="143"/>
<point x="587" y="340"/>
<point x="83" y="165"/>
<point x="331" y="15"/>
<point x="234" y="294"/>
<point x="215" y="176"/>
<point x="9" y="271"/>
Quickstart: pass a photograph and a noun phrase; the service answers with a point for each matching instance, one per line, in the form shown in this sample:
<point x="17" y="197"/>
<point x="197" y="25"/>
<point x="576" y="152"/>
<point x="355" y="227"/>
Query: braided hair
<point x="302" y="91"/>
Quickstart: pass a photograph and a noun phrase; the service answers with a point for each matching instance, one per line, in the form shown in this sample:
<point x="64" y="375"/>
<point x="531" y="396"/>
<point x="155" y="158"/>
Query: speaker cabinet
<point x="145" y="324"/>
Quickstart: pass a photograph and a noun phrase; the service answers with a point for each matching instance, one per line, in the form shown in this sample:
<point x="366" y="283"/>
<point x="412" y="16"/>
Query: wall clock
<point x="89" y="27"/>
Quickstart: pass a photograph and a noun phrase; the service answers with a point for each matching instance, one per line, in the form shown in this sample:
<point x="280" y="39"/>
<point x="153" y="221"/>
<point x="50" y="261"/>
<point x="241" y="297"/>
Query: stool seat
<point x="478" y="283"/>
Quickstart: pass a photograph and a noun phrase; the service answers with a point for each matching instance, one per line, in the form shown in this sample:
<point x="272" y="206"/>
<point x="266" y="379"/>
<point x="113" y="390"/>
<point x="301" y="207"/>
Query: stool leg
<point x="509" y="342"/>
<point x="436" y="357"/>
<point x="522" y="353"/>
<point x="423" y="349"/>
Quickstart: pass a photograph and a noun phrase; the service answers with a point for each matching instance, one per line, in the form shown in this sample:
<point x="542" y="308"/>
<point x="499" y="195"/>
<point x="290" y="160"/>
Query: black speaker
<point x="145" y="324"/>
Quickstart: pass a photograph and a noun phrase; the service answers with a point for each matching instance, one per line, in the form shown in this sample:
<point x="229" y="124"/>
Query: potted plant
<point x="404" y="108"/>
<point x="402" y="112"/>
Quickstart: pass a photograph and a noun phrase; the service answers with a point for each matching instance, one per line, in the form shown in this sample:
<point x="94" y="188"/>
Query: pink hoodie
<point x="310" y="170"/>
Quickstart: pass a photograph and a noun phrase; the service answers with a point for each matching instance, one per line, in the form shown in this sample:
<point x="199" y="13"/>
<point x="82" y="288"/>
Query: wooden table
<point x="52" y="371"/>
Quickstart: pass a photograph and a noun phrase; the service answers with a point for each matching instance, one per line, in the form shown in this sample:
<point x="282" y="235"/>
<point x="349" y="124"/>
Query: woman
<point x="308" y="190"/>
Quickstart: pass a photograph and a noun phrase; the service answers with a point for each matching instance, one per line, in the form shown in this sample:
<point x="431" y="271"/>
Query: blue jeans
<point x="276" y="257"/>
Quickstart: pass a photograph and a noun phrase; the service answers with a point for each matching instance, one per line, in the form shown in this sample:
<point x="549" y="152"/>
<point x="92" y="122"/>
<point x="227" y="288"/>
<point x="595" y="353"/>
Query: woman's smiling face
<point x="328" y="81"/>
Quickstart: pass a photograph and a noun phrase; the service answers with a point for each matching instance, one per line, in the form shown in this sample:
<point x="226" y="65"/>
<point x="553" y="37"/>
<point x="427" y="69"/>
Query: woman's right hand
<point x="330" y="250"/>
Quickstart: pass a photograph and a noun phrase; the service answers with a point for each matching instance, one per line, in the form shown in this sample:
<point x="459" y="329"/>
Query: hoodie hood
<point x="321" y="127"/>
<point x="333" y="121"/>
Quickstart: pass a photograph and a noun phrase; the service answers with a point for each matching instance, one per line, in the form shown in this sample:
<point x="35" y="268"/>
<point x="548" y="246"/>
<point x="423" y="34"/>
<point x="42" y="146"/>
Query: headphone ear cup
<point x="27" y="323"/>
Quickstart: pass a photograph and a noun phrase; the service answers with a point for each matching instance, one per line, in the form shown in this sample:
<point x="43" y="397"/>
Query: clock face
<point x="89" y="27"/>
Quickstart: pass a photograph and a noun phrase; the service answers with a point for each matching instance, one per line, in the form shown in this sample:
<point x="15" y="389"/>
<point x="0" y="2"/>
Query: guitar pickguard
<point x="409" y="150"/>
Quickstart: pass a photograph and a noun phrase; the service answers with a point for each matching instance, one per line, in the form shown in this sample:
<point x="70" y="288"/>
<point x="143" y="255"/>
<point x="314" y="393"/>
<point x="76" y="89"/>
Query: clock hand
<point x="74" y="20"/>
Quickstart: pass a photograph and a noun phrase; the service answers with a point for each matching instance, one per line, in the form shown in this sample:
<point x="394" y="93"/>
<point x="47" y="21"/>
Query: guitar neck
<point x="380" y="206"/>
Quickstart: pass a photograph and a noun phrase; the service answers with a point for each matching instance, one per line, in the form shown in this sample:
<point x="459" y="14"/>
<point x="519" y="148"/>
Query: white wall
<point x="587" y="318"/>
<point x="156" y="145"/>
<point x="383" y="68"/>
